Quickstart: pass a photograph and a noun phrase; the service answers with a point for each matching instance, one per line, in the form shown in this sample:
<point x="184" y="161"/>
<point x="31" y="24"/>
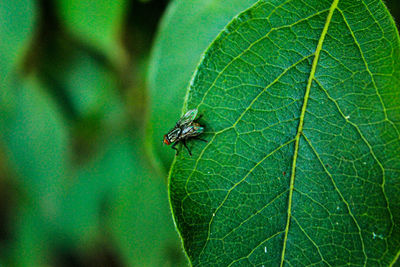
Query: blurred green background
<point x="80" y="183"/>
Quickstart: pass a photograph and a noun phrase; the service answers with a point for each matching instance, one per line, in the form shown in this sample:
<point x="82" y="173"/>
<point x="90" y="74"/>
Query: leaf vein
<point x="252" y="251"/>
<point x="311" y="240"/>
<point x="341" y="196"/>
<point x="300" y="127"/>
<point x="249" y="48"/>
<point x="256" y="213"/>
<point x="382" y="185"/>
<point x="236" y="185"/>
<point x="240" y="117"/>
<point x="313" y="200"/>
<point x="394" y="261"/>
<point x="369" y="72"/>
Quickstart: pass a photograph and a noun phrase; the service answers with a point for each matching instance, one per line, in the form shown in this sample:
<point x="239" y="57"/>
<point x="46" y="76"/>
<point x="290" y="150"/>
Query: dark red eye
<point x="166" y="141"/>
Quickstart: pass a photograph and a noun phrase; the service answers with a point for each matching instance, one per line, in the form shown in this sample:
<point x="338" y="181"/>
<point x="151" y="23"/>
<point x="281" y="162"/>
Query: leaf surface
<point x="176" y="53"/>
<point x="301" y="103"/>
<point x="140" y="221"/>
<point x="35" y="137"/>
<point x="18" y="21"/>
<point x="96" y="23"/>
<point x="16" y="30"/>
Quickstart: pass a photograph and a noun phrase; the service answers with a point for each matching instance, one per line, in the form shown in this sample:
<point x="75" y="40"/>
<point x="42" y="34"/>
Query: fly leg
<point x="184" y="143"/>
<point x="198" y="138"/>
<point x="174" y="147"/>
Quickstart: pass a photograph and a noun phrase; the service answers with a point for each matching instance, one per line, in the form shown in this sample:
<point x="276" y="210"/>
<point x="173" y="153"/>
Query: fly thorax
<point x="174" y="134"/>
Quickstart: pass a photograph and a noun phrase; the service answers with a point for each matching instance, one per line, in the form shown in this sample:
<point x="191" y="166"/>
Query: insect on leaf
<point x="169" y="76"/>
<point x="302" y="105"/>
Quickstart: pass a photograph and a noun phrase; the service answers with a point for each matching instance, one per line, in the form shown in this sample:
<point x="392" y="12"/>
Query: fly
<point x="184" y="129"/>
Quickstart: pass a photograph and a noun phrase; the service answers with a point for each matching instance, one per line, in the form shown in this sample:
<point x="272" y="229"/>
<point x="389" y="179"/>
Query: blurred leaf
<point x="86" y="84"/>
<point x="92" y="88"/>
<point x="36" y="137"/>
<point x="18" y="19"/>
<point x="140" y="220"/>
<point x="119" y="186"/>
<point x="186" y="30"/>
<point x="36" y="140"/>
<point x="96" y="23"/>
<point x="31" y="243"/>
<point x="302" y="166"/>
<point x="94" y="183"/>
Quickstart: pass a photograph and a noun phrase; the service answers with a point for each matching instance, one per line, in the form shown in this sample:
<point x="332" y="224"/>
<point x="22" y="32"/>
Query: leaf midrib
<point x="301" y="121"/>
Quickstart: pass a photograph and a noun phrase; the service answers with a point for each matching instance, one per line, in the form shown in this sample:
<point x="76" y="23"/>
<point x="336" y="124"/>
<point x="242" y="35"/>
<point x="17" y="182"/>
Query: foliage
<point x="73" y="153"/>
<point x="169" y="76"/>
<point x="302" y="107"/>
<point x="87" y="94"/>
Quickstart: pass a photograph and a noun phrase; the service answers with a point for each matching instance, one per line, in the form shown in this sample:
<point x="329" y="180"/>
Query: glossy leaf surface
<point x="301" y="103"/>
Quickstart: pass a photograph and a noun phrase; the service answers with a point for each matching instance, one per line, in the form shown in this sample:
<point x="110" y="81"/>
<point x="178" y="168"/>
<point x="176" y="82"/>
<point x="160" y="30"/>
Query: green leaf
<point x="96" y="23"/>
<point x="35" y="135"/>
<point x="301" y="103"/>
<point x="140" y="221"/>
<point x="82" y="209"/>
<point x="176" y="53"/>
<point x="30" y="246"/>
<point x="85" y="83"/>
<point x="35" y="138"/>
<point x="16" y="30"/>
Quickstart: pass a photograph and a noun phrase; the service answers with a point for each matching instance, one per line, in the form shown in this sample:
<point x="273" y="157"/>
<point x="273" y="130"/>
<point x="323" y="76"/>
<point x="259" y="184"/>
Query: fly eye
<point x="166" y="141"/>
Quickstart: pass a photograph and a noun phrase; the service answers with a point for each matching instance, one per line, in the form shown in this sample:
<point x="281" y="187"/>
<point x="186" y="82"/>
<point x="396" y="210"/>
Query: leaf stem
<point x="301" y="122"/>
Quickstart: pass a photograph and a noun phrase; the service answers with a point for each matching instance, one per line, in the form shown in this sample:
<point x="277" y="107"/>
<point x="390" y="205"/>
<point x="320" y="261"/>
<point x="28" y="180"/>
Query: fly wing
<point x="192" y="130"/>
<point x="189" y="116"/>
